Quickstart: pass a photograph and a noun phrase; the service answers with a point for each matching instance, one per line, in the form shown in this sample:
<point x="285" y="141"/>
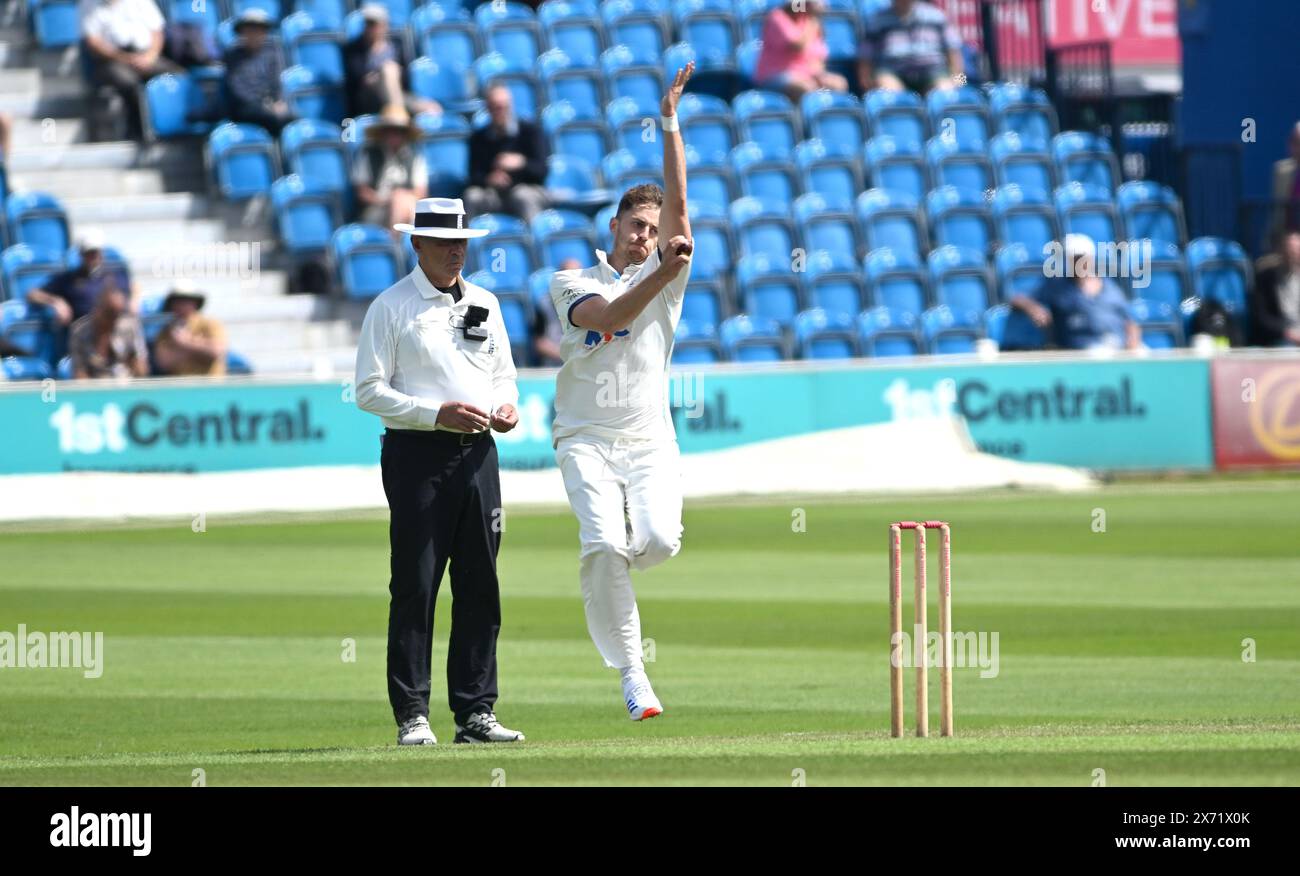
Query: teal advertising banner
<point x="1108" y="414"/>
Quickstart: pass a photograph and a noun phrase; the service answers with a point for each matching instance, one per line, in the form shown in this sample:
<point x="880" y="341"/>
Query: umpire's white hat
<point x="439" y="217"/>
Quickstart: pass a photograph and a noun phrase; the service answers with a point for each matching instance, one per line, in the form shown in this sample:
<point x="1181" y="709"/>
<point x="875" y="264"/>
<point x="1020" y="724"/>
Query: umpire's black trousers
<point x="444" y="496"/>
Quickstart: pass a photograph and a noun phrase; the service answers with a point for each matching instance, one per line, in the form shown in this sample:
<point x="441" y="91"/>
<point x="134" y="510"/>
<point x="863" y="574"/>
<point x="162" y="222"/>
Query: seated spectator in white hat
<point x="72" y="294"/>
<point x="1084" y="310"/>
<point x="191" y="344"/>
<point x="253" y="68"/>
<point x="375" y="66"/>
<point x="389" y="174"/>
<point x="124" y="39"/>
<point x="108" y="341"/>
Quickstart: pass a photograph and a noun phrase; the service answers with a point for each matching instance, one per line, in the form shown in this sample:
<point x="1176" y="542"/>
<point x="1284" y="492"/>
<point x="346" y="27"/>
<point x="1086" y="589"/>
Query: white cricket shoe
<point x="639" y="696"/>
<point x="484" y="727"/>
<point x="416" y="732"/>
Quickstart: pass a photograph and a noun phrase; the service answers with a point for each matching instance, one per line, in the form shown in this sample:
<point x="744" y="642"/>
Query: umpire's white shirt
<point x="412" y="357"/>
<point x="615" y="385"/>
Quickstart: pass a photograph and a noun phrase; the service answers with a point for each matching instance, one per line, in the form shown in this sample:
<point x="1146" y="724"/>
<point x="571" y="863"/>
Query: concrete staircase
<point x="153" y="204"/>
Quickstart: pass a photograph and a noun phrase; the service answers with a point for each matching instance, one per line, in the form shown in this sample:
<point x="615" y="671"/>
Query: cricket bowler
<point x="613" y="435"/>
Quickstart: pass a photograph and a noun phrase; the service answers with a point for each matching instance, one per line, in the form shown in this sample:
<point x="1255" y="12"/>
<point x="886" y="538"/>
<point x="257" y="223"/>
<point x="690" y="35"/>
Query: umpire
<point x="433" y="361"/>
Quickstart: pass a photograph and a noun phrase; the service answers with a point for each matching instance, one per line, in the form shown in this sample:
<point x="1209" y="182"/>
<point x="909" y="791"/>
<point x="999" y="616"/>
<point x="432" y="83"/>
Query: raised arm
<point x="672" y="216"/>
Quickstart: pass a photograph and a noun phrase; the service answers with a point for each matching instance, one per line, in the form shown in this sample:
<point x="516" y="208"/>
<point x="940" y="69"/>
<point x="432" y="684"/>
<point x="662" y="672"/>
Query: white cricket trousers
<point x="602" y="478"/>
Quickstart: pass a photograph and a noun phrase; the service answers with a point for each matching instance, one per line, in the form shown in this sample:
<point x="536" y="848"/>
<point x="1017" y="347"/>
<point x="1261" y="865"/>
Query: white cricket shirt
<point x="412" y="357"/>
<point x="615" y="385"/>
<point x="124" y="24"/>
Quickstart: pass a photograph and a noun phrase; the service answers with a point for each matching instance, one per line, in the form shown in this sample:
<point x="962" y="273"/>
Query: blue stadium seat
<point x="444" y="81"/>
<point x="834" y="282"/>
<point x="631" y="73"/>
<point x="715" y="73"/>
<point x="891" y="219"/>
<point x="1012" y="330"/>
<point x="820" y="334"/>
<point x="710" y="27"/>
<point x="767" y="118"/>
<point x="63" y="371"/>
<point x="270" y="7"/>
<point x="952" y="164"/>
<point x="243" y="161"/>
<point x="1024" y="217"/>
<point x="715" y="250"/>
<point x="1019" y="271"/>
<point x="574" y="27"/>
<point x="306" y="217"/>
<point x="1018" y="163"/>
<point x="752" y="14"/>
<point x="516" y="313"/>
<point x="749" y="339"/>
<point x="511" y="29"/>
<point x="621" y="170"/>
<point x="768" y="289"/>
<point x="605" y="237"/>
<point x="896" y="281"/>
<point x="314" y="151"/>
<point x="25" y="367"/>
<point x="704" y="304"/>
<point x="707" y="124"/>
<point x="763" y="228"/>
<point x="763" y="174"/>
<point x="178" y="105"/>
<point x="447" y="35"/>
<point x="696" y="343"/>
<point x="329" y="13"/>
<point x="830" y="169"/>
<point x="709" y="182"/>
<point x="1166" y="280"/>
<point x="25" y="268"/>
<point x="896" y="166"/>
<point x="36" y="219"/>
<point x="1088" y="209"/>
<point x="947" y="332"/>
<point x="961" y="281"/>
<point x="506" y="251"/>
<point x="1220" y="270"/>
<point x="444" y="140"/>
<point x="570" y="133"/>
<point x="826" y="224"/>
<point x="1085" y="158"/>
<point x="237" y="365"/>
<point x="573" y="183"/>
<point x="501" y="286"/>
<point x="840" y="27"/>
<point x="641" y="23"/>
<point x="1151" y="211"/>
<point x="563" y="234"/>
<point x="747" y="54"/>
<point x="834" y="117"/>
<point x="960" y="218"/>
<point x="311" y="96"/>
<point x="631" y="129"/>
<point x="882" y="332"/>
<point x="1159" y="323"/>
<point x="564" y="79"/>
<point x="960" y="114"/>
<point x="55" y="23"/>
<point x="29" y="328"/>
<point x="525" y="88"/>
<point x="366" y="260"/>
<point x="1026" y="112"/>
<point x="897" y="114"/>
<point x="317" y="47"/>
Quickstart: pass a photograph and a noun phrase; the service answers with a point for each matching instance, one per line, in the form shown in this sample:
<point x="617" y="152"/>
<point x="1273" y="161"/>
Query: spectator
<point x="1276" y="308"/>
<point x="507" y="162"/>
<point x="909" y="45"/>
<point x="547" y="333"/>
<point x="253" y="69"/>
<point x="375" y="65"/>
<point x="389" y="175"/>
<point x="108" y="341"/>
<point x="1086" y="311"/>
<point x="124" y="41"/>
<point x="72" y="294"/>
<point x="190" y="344"/>
<point x="793" y="59"/>
<point x="1286" y="191"/>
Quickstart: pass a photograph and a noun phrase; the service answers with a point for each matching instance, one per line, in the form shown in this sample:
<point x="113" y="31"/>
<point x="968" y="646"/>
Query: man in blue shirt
<point x="909" y="45"/>
<point x="1085" y="311"/>
<point x="253" y="70"/>
<point x="73" y="293"/>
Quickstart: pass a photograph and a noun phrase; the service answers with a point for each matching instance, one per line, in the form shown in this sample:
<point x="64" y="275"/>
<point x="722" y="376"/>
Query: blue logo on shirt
<point x="593" y="338"/>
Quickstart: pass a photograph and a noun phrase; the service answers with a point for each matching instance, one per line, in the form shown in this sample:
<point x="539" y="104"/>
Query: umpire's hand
<point x="462" y="417"/>
<point x="505" y="418"/>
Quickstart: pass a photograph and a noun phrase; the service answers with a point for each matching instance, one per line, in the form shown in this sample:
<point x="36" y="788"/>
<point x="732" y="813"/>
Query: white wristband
<point x="669" y="123"/>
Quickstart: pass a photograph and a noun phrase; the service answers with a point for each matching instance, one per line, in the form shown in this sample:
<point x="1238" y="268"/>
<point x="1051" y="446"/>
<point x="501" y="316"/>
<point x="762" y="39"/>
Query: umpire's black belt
<point x="440" y="436"/>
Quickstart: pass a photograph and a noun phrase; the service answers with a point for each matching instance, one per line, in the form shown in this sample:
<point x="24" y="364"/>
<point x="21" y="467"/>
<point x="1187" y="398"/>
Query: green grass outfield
<point x="1119" y="651"/>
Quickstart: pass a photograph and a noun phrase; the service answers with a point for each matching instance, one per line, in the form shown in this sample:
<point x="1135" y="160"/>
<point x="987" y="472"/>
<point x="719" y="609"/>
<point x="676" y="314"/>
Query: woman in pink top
<point x="793" y="59"/>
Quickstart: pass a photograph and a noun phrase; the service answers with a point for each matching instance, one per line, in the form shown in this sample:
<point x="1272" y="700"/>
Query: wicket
<point x="920" y="630"/>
